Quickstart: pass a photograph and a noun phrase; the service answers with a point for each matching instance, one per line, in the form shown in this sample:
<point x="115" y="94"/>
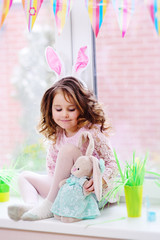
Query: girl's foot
<point x="42" y="211"/>
<point x="16" y="211"/>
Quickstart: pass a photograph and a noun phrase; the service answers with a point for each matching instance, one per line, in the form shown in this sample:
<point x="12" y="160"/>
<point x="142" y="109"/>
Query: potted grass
<point x="8" y="176"/>
<point x="131" y="180"/>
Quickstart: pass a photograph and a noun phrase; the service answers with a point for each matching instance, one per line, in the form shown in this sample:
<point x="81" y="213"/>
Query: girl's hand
<point x="88" y="186"/>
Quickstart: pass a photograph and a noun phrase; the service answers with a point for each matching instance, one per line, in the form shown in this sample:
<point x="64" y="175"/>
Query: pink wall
<point x="11" y="41"/>
<point x="129" y="82"/>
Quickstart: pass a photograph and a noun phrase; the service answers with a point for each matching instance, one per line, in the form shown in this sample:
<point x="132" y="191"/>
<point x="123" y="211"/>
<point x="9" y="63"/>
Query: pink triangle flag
<point x="96" y="10"/>
<point x="124" y="10"/>
<point x="5" y="6"/>
<point x="31" y="8"/>
<point x="61" y="10"/>
<point x="154" y="10"/>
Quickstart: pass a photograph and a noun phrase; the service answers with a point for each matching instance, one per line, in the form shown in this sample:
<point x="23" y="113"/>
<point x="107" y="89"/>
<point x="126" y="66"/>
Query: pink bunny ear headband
<point x="57" y="66"/>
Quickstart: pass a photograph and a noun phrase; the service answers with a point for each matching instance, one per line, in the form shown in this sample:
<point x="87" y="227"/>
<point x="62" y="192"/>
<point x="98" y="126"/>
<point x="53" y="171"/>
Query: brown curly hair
<point x="91" y="111"/>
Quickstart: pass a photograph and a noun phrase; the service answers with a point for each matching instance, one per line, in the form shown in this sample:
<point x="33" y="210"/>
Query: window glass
<point x="128" y="81"/>
<point x="24" y="76"/>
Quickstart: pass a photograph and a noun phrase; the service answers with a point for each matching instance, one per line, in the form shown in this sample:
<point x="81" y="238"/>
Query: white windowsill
<point x="128" y="228"/>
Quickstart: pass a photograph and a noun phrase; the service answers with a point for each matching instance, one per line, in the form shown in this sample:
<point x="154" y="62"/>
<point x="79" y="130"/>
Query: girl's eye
<point x="58" y="110"/>
<point x="72" y="110"/>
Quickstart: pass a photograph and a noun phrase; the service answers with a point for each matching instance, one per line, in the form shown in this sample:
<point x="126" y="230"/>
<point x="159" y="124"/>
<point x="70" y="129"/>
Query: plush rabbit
<point x="72" y="202"/>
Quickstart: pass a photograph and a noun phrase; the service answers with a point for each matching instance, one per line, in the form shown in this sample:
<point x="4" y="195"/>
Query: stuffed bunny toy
<point x="72" y="202"/>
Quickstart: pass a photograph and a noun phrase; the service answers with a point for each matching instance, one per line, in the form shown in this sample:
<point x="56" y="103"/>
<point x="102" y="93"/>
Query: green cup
<point x="4" y="192"/>
<point x="133" y="196"/>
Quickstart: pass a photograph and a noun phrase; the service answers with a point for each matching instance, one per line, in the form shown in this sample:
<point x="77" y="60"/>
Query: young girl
<point x="67" y="109"/>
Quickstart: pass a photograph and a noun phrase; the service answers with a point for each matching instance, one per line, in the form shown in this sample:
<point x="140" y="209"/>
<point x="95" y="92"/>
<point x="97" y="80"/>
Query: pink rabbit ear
<point x="82" y="60"/>
<point x="53" y="60"/>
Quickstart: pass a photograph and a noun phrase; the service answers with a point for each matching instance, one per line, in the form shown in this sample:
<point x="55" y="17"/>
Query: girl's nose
<point x="65" y="114"/>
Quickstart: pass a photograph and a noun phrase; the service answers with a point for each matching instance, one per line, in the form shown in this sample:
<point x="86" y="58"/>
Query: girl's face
<point x="65" y="113"/>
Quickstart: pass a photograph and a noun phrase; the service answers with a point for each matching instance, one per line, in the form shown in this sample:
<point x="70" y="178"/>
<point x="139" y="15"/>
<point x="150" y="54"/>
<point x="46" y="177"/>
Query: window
<point x="128" y="82"/>
<point x="125" y="75"/>
<point x="24" y="76"/>
<point x="124" y="72"/>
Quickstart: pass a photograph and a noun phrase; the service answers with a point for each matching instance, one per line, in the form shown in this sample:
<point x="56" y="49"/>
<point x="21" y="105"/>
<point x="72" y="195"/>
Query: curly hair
<point x="91" y="111"/>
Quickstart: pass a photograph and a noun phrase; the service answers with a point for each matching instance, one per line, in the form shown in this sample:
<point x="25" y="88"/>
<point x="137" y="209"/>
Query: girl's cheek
<point x="54" y="114"/>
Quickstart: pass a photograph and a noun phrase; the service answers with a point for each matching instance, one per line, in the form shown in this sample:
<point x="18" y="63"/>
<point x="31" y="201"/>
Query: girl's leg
<point x="65" y="160"/>
<point x="31" y="185"/>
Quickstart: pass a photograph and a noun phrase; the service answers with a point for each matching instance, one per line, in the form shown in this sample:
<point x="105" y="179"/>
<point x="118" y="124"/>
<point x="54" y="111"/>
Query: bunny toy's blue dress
<point x="71" y="202"/>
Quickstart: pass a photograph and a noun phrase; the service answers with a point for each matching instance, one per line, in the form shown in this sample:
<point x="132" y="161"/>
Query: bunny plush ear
<point x="83" y="138"/>
<point x="81" y="61"/>
<point x="54" y="61"/>
<point x="97" y="178"/>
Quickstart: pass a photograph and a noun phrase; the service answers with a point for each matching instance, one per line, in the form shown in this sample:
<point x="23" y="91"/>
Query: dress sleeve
<point x="103" y="150"/>
<point x="51" y="158"/>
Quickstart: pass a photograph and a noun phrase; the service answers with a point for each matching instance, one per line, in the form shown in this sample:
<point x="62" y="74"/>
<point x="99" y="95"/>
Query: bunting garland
<point x="61" y="10"/>
<point x="5" y="6"/>
<point x="124" y="10"/>
<point x="96" y="10"/>
<point x="154" y="10"/>
<point x="31" y="8"/>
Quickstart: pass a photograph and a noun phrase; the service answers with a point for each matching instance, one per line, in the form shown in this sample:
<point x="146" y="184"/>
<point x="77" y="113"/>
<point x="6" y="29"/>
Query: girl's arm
<point x="51" y="158"/>
<point x="103" y="150"/>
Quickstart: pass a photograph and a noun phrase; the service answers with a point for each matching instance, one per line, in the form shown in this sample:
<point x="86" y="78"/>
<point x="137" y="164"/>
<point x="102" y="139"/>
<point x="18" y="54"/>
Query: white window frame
<point x="77" y="33"/>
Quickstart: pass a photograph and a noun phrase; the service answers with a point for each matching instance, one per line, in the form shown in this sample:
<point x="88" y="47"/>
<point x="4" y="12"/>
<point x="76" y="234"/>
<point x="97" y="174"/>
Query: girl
<point x="67" y="109"/>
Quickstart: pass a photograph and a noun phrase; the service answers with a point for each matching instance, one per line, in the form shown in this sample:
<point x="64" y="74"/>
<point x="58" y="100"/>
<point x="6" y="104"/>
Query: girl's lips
<point x="65" y="120"/>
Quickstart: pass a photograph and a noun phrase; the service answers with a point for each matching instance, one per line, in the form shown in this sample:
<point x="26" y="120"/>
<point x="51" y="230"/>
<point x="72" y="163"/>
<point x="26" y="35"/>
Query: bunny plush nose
<point x="74" y="169"/>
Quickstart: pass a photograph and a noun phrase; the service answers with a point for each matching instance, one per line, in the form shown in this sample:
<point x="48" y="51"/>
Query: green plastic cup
<point x="4" y="192"/>
<point x="133" y="196"/>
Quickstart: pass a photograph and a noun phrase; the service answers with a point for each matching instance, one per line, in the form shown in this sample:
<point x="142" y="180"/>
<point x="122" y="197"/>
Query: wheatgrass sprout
<point x="8" y="175"/>
<point x="133" y="175"/>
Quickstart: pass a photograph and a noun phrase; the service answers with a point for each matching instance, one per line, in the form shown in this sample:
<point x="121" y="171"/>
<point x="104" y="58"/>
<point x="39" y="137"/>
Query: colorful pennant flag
<point x="96" y="10"/>
<point x="61" y="10"/>
<point x="154" y="10"/>
<point x="124" y="10"/>
<point x="5" y="5"/>
<point x="31" y="8"/>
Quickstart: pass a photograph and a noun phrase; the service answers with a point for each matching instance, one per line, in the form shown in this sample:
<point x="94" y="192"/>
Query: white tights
<point x="33" y="185"/>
